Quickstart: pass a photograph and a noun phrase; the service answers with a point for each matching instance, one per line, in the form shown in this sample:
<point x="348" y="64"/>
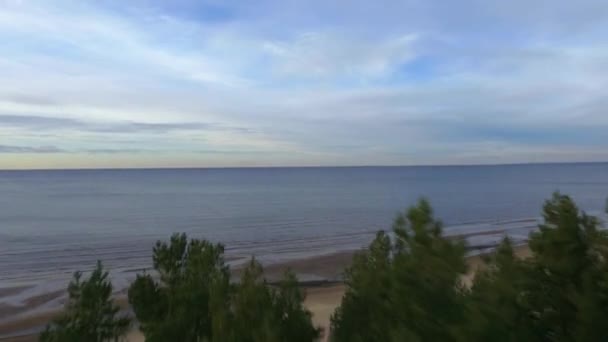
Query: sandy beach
<point x="323" y="289"/>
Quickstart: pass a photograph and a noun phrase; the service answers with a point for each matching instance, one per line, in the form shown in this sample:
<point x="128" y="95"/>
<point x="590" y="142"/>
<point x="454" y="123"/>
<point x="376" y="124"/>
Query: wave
<point x="46" y="268"/>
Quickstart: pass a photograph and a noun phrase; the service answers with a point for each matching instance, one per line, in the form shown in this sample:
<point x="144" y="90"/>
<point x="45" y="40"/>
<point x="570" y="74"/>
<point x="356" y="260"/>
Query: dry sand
<point x="322" y="298"/>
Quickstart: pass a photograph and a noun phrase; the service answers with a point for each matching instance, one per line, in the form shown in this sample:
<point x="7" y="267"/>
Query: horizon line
<point x="300" y="166"/>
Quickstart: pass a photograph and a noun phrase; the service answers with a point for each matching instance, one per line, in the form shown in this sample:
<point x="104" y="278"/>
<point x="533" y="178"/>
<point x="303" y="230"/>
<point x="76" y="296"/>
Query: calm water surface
<point x="55" y="222"/>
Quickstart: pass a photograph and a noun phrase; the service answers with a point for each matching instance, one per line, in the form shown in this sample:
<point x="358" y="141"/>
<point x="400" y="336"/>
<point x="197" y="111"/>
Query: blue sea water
<point x="55" y="222"/>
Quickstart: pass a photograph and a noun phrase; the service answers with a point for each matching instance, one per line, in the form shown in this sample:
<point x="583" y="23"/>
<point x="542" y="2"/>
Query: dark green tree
<point x="365" y="313"/>
<point x="193" y="300"/>
<point x="409" y="290"/>
<point x="179" y="306"/>
<point x="254" y="319"/>
<point x="559" y="294"/>
<point x="90" y="314"/>
<point x="497" y="307"/>
<point x="258" y="312"/>
<point x="295" y="321"/>
<point x="569" y="293"/>
<point x="428" y="272"/>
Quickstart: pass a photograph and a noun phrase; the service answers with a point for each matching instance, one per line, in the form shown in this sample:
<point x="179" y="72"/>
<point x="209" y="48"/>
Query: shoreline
<point x="321" y="280"/>
<point x="324" y="271"/>
<point x="36" y="273"/>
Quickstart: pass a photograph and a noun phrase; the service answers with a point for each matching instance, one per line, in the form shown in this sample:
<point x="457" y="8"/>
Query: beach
<point x="323" y="289"/>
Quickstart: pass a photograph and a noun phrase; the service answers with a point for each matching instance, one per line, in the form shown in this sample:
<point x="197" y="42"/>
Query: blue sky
<point x="148" y="83"/>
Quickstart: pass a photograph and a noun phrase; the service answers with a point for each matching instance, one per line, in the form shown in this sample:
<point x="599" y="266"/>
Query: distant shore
<point x="321" y="280"/>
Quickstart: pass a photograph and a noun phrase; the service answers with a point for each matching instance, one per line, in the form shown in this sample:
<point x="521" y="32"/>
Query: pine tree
<point x="194" y="300"/>
<point x="498" y="307"/>
<point x="295" y="321"/>
<point x="365" y="313"/>
<point x="559" y="294"/>
<point x="408" y="290"/>
<point x="179" y="306"/>
<point x="569" y="292"/>
<point x="90" y="314"/>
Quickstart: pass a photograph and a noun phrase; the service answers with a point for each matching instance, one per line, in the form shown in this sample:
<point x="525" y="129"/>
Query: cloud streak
<point x="338" y="55"/>
<point x="41" y="123"/>
<point x="29" y="149"/>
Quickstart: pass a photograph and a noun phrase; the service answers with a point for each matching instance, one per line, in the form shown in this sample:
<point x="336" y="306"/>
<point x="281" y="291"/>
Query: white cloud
<point x="118" y="43"/>
<point x="336" y="55"/>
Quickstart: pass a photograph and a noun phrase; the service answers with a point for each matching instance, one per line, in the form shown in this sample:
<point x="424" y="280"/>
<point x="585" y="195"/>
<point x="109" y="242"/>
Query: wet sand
<point x="320" y="279"/>
<point x="320" y="276"/>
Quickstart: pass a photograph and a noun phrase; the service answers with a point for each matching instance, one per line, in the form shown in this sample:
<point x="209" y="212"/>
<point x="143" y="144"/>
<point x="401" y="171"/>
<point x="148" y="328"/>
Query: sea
<point x="55" y="222"/>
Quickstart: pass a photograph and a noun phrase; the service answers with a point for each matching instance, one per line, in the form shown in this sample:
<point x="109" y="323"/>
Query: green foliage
<point x="193" y="277"/>
<point x="265" y="314"/>
<point x="569" y="293"/>
<point x="295" y="322"/>
<point x="193" y="299"/>
<point x="253" y="317"/>
<point x="428" y="271"/>
<point x="559" y="294"/>
<point x="497" y="307"/>
<point x="89" y="314"/>
<point x="408" y="290"/>
<point x="365" y="312"/>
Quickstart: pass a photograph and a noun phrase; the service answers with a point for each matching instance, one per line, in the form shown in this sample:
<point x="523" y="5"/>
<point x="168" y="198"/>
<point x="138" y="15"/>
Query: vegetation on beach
<point x="89" y="315"/>
<point x="194" y="300"/>
<point x="407" y="286"/>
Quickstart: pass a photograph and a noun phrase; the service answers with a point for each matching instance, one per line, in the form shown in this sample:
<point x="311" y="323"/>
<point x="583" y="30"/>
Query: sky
<point x="209" y="83"/>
